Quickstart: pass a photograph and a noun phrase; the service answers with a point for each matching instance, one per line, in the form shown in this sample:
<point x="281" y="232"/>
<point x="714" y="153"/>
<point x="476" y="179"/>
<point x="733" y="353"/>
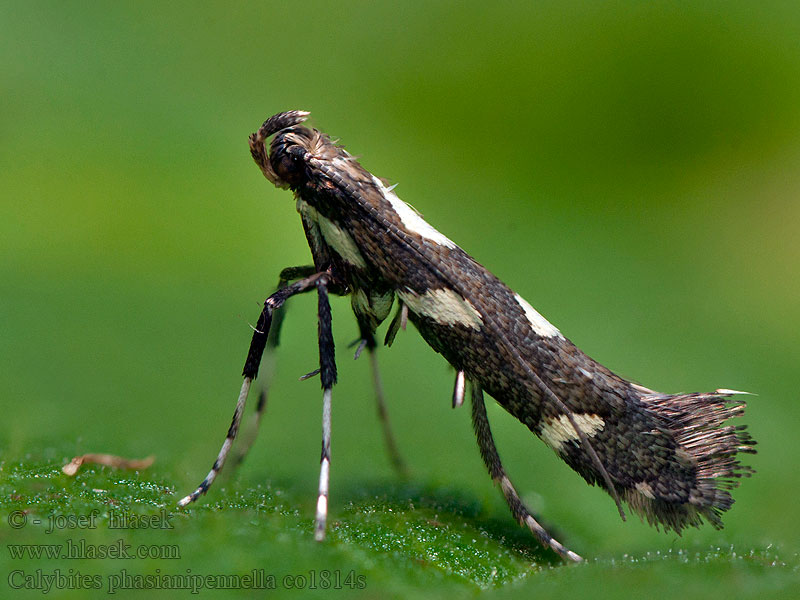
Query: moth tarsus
<point x="670" y="457"/>
<point x="483" y="433"/>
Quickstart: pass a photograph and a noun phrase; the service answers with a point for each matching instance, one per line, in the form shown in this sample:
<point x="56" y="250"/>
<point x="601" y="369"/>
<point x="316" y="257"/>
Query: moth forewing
<point x="671" y="458"/>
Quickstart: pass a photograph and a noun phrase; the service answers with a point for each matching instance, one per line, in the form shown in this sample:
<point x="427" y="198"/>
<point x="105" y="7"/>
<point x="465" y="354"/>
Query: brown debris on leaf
<point x="109" y="460"/>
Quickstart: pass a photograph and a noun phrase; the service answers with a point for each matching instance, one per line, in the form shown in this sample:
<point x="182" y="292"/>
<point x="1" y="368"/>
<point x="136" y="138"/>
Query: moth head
<point x="288" y="154"/>
<point x="283" y="166"/>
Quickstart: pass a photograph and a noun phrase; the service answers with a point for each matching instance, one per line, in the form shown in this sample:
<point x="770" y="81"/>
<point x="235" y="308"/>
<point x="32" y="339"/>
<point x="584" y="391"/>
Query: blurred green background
<point x="632" y="169"/>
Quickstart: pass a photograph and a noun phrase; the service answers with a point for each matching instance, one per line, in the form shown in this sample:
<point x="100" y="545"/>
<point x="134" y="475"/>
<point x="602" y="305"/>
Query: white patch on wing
<point x="336" y="237"/>
<point x="443" y="306"/>
<point x="556" y="432"/>
<point x="539" y="324"/>
<point x="309" y="214"/>
<point x="411" y="219"/>
<point x="341" y="241"/>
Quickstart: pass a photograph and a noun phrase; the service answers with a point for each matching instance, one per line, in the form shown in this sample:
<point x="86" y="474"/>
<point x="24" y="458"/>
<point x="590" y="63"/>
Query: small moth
<point x="670" y="458"/>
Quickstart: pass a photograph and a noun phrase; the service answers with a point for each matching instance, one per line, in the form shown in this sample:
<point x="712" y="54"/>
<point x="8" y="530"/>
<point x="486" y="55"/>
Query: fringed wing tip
<point x="707" y="450"/>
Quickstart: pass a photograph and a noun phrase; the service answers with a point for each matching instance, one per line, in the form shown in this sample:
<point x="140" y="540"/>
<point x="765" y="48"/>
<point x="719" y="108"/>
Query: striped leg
<point x="257" y="345"/>
<point x="268" y="363"/>
<point x="327" y="367"/>
<point x="480" y="423"/>
<point x="252" y="430"/>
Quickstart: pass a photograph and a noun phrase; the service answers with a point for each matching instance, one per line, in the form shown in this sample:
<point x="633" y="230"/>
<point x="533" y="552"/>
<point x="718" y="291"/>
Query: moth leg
<point x="397" y="461"/>
<point x="399" y="321"/>
<point x="367" y="323"/>
<point x="252" y="430"/>
<point x="268" y="369"/>
<point x="480" y="423"/>
<point x="257" y="345"/>
<point x="327" y="367"/>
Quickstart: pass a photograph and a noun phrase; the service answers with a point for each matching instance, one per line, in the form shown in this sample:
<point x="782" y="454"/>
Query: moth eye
<point x="289" y="165"/>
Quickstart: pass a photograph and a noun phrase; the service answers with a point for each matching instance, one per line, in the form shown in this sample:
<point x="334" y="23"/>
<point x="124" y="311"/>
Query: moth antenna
<point x="279" y="122"/>
<point x="274" y="124"/>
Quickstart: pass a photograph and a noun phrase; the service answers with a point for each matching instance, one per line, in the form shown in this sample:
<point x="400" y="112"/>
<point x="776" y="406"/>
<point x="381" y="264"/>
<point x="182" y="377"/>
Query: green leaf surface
<point x="400" y="539"/>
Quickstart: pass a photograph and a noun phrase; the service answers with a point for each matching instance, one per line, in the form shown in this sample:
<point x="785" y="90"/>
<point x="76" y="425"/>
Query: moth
<point x="670" y="458"/>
